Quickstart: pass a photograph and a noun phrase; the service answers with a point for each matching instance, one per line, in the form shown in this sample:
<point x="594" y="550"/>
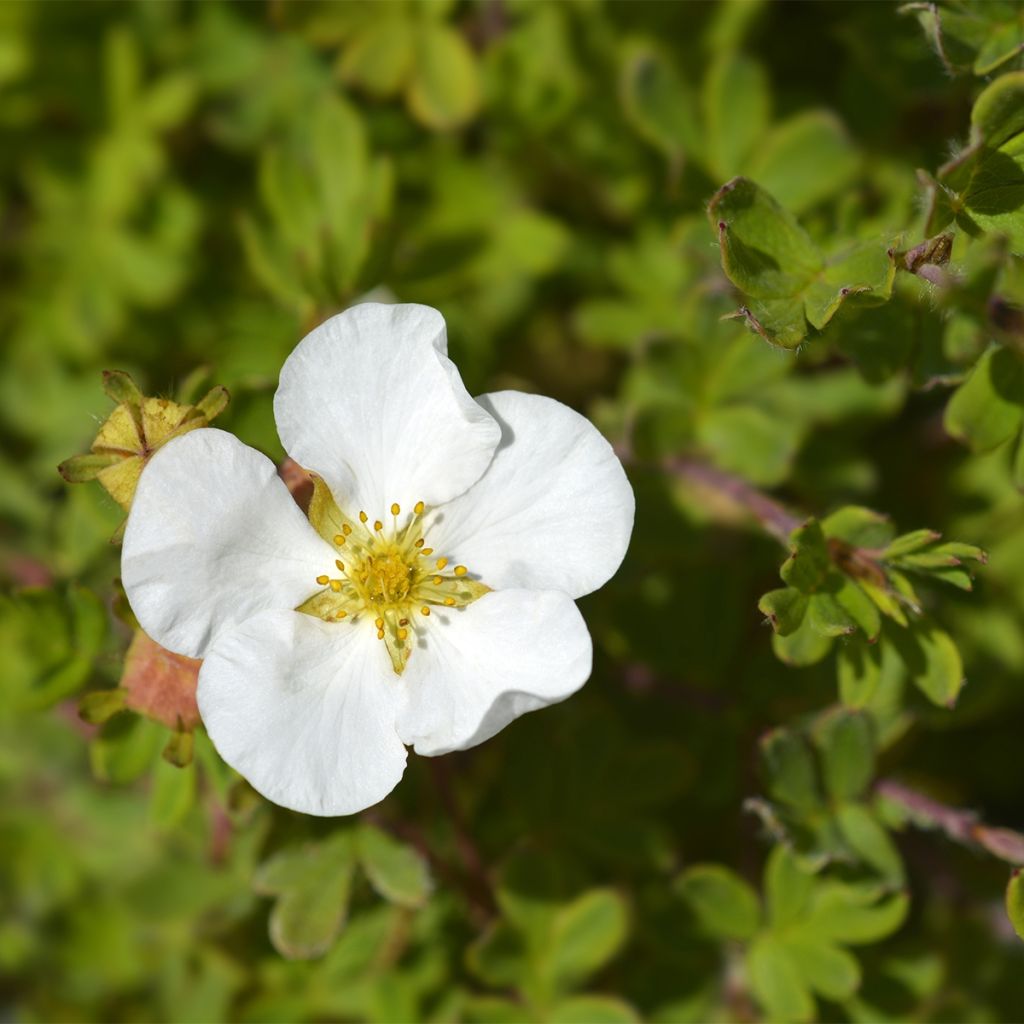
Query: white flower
<point x="427" y="600"/>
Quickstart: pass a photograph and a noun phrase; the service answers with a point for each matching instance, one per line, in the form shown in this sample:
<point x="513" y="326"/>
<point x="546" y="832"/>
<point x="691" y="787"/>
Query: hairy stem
<point x="960" y="825"/>
<point x="772" y="516"/>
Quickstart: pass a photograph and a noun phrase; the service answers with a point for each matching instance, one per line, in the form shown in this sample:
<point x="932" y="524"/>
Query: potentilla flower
<point x="428" y="599"/>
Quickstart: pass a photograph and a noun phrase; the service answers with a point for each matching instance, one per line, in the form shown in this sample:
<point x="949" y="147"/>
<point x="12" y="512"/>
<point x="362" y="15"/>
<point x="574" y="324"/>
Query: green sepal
<point x="83" y="468"/>
<point x="121" y="388"/>
<point x="100" y="705"/>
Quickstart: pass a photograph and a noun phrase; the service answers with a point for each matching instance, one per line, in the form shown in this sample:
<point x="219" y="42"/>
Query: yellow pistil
<point x="385" y="577"/>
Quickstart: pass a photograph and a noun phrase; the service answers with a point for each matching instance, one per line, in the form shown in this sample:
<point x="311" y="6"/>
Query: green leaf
<point x="1015" y="901"/>
<point x="909" y="543"/>
<point x="174" y="792"/>
<point x="808" y="564"/>
<point x="777" y="981"/>
<point x="784" y="608"/>
<point x="987" y="409"/>
<point x="658" y="103"/>
<point x="765" y="252"/>
<point x="789" y="769"/>
<point x="747" y="440"/>
<point x="499" y="956"/>
<point x="804" y="160"/>
<point x="825" y="968"/>
<point x="444" y="91"/>
<point x="771" y="259"/>
<point x="380" y="55"/>
<point x="397" y="872"/>
<point x="856" y="603"/>
<point x="806" y="646"/>
<point x="828" y="617"/>
<point x="725" y="905"/>
<point x="737" y="108"/>
<point x="585" y="936"/>
<point x="870" y="841"/>
<point x="998" y="113"/>
<point x="593" y="1009"/>
<point x="847" y="752"/>
<point x="932" y="661"/>
<point x="859" y="666"/>
<point x="788" y="887"/>
<point x="312" y="883"/>
<point x="858" y="526"/>
<point x="855" y="915"/>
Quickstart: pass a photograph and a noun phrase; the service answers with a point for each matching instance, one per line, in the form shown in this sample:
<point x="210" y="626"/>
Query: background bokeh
<point x="185" y="190"/>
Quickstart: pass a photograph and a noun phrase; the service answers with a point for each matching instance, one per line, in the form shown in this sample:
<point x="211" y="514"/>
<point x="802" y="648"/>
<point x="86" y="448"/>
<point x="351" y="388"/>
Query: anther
<point x="441" y="563"/>
<point x="341" y="565"/>
<point x="346" y="529"/>
<point x="427" y="551"/>
<point x="341" y="614"/>
<point x="380" y="634"/>
<point x="395" y="508"/>
<point x="439" y="579"/>
<point x="363" y="517"/>
<point x="379" y="623"/>
<point x="460" y="570"/>
<point x="323" y="580"/>
<point x="403" y="634"/>
<point x="449" y="601"/>
<point x="336" y="585"/>
<point x="419" y="543"/>
<point x="378" y="525"/>
<point x="424" y="610"/>
<point x="339" y="539"/>
<point x="419" y="507"/>
<point x="403" y="622"/>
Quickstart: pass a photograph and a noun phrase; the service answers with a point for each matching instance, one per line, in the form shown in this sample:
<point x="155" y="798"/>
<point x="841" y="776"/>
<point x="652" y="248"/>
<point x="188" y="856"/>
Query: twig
<point x="773" y="517"/>
<point x="478" y="882"/>
<point x="962" y="826"/>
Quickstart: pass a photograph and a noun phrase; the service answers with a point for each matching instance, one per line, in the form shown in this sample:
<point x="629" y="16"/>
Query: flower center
<point x="386" y="575"/>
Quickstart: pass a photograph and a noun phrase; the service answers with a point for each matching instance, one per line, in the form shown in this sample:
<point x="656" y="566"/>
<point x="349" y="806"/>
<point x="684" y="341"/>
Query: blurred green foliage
<point x="762" y="245"/>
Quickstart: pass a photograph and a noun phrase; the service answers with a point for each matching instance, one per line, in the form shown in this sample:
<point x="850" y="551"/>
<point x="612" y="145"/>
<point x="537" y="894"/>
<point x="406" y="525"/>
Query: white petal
<point x="479" y="668"/>
<point x="305" y="710"/>
<point x="371" y="402"/>
<point x="554" y="511"/>
<point x="213" y="538"/>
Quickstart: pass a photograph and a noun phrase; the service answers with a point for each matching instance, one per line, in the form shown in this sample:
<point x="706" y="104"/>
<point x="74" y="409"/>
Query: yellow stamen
<point x="450" y="601"/>
<point x="378" y="525"/>
<point x="341" y="566"/>
<point x="419" y="543"/>
<point x="418" y="508"/>
<point x="424" y="610"/>
<point x="427" y="551"/>
<point x="379" y="623"/>
<point x="441" y="563"/>
<point x="403" y="634"/>
<point x="363" y="517"/>
<point x="346" y="529"/>
<point x="341" y="614"/>
<point x="460" y="570"/>
<point x="403" y="622"/>
<point x="380" y="634"/>
<point x="396" y="508"/>
<point x="336" y="585"/>
<point x="439" y="579"/>
<point x="323" y="580"/>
